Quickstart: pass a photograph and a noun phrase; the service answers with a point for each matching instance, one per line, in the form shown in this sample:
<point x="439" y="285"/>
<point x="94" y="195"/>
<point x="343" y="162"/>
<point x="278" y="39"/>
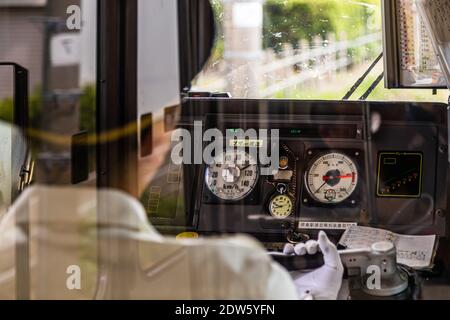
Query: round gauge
<point x="281" y="206"/>
<point x="332" y="178"/>
<point x="232" y="176"/>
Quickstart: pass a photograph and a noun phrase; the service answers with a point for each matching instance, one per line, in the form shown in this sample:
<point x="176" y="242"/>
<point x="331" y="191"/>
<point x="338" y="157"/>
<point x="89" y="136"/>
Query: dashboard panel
<point x="380" y="164"/>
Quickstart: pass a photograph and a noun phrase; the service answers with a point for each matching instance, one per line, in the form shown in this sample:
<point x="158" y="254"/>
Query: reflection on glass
<point x="419" y="64"/>
<point x="13" y="154"/>
<point x="93" y="244"/>
<point x="61" y="61"/>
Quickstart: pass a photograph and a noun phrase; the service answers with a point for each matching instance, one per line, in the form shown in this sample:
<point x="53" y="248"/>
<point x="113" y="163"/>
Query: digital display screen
<point x="399" y="174"/>
<point x="321" y="131"/>
<point x="328" y="130"/>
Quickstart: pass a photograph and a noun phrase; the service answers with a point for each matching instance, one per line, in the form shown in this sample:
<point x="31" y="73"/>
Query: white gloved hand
<point x="325" y="282"/>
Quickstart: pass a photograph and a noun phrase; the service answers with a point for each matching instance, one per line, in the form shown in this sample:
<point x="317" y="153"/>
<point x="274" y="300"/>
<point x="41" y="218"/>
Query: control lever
<point x="380" y="258"/>
<point x="298" y="263"/>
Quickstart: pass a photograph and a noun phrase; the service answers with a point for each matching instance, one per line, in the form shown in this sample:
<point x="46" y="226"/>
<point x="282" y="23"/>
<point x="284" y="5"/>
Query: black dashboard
<point x="338" y="163"/>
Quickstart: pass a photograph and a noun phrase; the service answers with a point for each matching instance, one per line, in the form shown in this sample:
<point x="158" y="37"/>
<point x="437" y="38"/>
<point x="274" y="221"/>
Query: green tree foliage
<point x="289" y="21"/>
<point x="34" y="111"/>
<point x="87" y="109"/>
<point x="87" y="113"/>
<point x="6" y="110"/>
<point x="88" y="119"/>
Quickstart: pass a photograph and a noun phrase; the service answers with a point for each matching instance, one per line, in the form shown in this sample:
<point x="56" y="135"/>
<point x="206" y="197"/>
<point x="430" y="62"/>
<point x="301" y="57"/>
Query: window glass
<point x="298" y="49"/>
<point x="55" y="41"/>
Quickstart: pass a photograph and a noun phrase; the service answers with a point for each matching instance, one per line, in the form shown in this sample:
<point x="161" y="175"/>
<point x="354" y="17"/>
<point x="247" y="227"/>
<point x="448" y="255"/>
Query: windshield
<point x="299" y="49"/>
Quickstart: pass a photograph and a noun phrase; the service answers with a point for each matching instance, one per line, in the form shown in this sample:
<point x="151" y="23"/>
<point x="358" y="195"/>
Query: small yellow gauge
<point x="281" y="206"/>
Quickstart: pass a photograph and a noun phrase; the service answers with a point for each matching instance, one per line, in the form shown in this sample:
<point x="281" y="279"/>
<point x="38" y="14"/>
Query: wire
<point x="363" y="77"/>
<point x="372" y="87"/>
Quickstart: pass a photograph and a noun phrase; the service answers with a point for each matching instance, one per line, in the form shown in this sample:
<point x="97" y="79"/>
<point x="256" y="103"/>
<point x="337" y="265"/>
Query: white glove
<point x="323" y="283"/>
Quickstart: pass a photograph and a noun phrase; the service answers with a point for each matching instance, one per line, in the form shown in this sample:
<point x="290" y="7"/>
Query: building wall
<point x="62" y="78"/>
<point x="21" y="41"/>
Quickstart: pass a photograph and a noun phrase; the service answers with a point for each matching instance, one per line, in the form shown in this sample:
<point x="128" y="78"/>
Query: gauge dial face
<point x="281" y="206"/>
<point x="232" y="176"/>
<point x="332" y="178"/>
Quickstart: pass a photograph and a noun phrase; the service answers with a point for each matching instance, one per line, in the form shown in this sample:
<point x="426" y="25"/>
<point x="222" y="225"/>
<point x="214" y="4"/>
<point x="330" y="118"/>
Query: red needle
<point x="347" y="176"/>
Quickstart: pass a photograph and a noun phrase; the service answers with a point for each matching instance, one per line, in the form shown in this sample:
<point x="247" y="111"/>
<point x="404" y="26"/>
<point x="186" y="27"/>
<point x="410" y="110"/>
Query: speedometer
<point x="332" y="178"/>
<point x="232" y="176"/>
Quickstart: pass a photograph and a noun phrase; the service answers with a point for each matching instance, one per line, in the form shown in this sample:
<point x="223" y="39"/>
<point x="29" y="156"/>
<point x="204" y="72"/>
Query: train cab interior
<point x="224" y="149"/>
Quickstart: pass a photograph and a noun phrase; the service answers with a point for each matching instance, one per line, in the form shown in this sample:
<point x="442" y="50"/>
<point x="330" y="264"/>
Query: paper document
<point x="438" y="12"/>
<point x="414" y="251"/>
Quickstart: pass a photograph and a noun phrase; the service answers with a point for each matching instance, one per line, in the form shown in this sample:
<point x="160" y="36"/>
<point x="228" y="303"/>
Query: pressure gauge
<point x="232" y="176"/>
<point x="332" y="178"/>
<point x="281" y="206"/>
